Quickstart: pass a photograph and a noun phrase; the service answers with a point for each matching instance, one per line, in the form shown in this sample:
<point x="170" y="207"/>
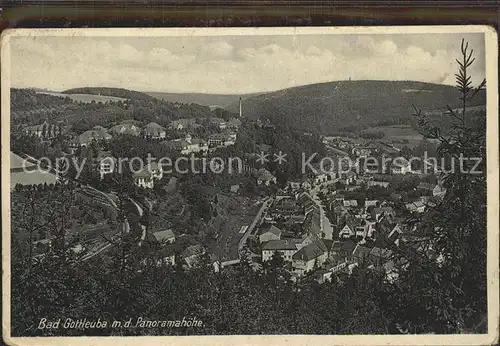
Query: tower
<point x="241" y="110"/>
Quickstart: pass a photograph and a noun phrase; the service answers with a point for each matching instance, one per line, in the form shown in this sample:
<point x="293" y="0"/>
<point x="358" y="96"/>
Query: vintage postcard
<point x="255" y="185"/>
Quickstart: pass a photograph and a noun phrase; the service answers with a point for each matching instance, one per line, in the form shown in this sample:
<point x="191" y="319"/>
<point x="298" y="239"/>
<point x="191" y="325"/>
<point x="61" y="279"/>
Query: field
<point x="86" y="98"/>
<point x="400" y="134"/>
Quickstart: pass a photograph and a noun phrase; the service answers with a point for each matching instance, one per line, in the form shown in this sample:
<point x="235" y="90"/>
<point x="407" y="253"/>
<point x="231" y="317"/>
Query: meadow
<point x="401" y="135"/>
<point x="86" y="98"/>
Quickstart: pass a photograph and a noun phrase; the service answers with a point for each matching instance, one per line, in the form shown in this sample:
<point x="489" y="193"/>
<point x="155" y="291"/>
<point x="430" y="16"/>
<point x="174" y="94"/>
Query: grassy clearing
<point x="86" y="98"/>
<point x="399" y="134"/>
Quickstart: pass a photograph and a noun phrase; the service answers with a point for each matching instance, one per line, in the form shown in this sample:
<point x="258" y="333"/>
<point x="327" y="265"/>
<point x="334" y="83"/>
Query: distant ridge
<point x="335" y="106"/>
<point x="219" y="100"/>
<point x="115" y="92"/>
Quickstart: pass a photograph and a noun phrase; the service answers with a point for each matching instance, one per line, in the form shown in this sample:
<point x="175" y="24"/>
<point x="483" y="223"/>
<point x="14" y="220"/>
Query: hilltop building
<point x="126" y="129"/>
<point x="154" y="131"/>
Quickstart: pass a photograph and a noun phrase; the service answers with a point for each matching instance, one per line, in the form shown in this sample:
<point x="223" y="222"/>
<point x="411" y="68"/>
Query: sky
<point x="236" y="64"/>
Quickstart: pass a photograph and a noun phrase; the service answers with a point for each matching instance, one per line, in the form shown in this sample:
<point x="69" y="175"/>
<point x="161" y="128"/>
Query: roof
<point x="395" y="195"/>
<point x="270" y="229"/>
<point x="198" y="141"/>
<point x="164" y="235"/>
<point x="235" y="188"/>
<point x="193" y="250"/>
<point x="217" y="121"/>
<point x="107" y="159"/>
<point x="439" y="189"/>
<point x="153" y="125"/>
<point x="99" y="133"/>
<point x="177" y="143"/>
<point x="265" y="175"/>
<point x="143" y="173"/>
<point x="350" y="203"/>
<point x="153" y="128"/>
<point x="281" y="244"/>
<point x="308" y="252"/>
<point x="328" y="243"/>
<point x="313" y="222"/>
<point x="219" y="136"/>
<point x="126" y="128"/>
<point x="379" y="252"/>
<point x="383" y="210"/>
<point x="264" y="147"/>
<point x="361" y="251"/>
<point x="336" y="246"/>
<point x="234" y="122"/>
<point x="401" y="161"/>
<point x="415" y="205"/>
<point x="185" y="122"/>
<point x="353" y="222"/>
<point x="347" y="247"/>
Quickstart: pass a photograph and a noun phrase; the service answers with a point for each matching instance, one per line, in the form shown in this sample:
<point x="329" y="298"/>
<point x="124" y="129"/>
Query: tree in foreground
<point x="443" y="286"/>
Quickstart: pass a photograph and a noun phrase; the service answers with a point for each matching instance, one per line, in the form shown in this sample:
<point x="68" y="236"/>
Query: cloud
<point x="219" y="49"/>
<point x="236" y="65"/>
<point x="387" y="47"/>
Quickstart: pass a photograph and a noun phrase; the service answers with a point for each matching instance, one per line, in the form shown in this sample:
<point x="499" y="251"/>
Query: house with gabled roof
<point x="353" y="227"/>
<point x="98" y="133"/>
<point x="192" y="254"/>
<point x="218" y="122"/>
<point x="361" y="253"/>
<point x="234" y="123"/>
<point x="371" y="203"/>
<point x="308" y="258"/>
<point x="154" y="131"/>
<point x="400" y="165"/>
<point x="269" y="232"/>
<point x="165" y="236"/>
<point x="286" y="247"/>
<point x="439" y="191"/>
<point x="166" y="255"/>
<point x="350" y="203"/>
<point x="346" y="248"/>
<point x="143" y="178"/>
<point x="183" y="123"/>
<point x="130" y="129"/>
<point x="378" y="256"/>
<point x="264" y="177"/>
<point x="415" y="207"/>
<point x="378" y="183"/>
<point x="378" y="212"/>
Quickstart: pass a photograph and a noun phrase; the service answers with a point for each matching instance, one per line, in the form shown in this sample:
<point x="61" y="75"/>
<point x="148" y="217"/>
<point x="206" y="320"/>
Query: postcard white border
<point x="491" y="52"/>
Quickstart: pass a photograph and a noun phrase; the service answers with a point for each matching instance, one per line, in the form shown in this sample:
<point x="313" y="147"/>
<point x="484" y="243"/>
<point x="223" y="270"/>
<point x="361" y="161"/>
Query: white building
<point x="400" y="165"/>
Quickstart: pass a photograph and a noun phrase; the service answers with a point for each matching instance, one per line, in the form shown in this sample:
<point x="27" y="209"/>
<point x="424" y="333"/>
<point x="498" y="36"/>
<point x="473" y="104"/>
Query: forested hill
<point x="115" y="92"/>
<point x="31" y="108"/>
<point x="333" y="106"/>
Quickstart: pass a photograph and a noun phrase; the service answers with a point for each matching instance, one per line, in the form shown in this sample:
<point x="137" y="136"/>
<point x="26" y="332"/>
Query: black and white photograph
<point x="309" y="182"/>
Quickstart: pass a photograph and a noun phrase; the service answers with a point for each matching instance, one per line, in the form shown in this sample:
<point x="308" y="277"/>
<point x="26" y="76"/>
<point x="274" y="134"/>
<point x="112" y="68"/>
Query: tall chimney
<point x="241" y="111"/>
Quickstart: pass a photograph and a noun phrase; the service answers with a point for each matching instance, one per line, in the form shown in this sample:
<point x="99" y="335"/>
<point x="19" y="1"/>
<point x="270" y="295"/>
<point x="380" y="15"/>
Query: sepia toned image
<point x="306" y="182"/>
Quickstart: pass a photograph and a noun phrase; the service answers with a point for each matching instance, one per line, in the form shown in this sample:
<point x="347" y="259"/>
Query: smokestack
<point x="241" y="111"/>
